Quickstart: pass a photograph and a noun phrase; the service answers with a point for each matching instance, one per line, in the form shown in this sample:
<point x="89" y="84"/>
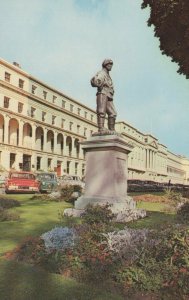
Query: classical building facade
<point x="41" y="129"/>
<point x="151" y="160"/>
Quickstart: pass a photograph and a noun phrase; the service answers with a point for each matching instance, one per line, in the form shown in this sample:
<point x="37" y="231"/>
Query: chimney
<point x="16" y="64"/>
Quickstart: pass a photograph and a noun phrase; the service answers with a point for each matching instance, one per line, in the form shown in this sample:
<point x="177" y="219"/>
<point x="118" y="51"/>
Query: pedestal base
<point x="117" y="203"/>
<point x="106" y="177"/>
<point x="122" y="215"/>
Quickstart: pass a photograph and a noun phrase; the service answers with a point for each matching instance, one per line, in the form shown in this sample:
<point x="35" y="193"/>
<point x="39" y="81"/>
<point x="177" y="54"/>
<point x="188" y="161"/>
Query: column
<point x="152" y="159"/>
<point x="65" y="151"/>
<point x="55" y="142"/>
<point x="73" y="147"/>
<point x="6" y="129"/>
<point x="34" y="136"/>
<point x="146" y="159"/>
<point x="45" y="139"/>
<point x="149" y="159"/>
<point x="20" y="139"/>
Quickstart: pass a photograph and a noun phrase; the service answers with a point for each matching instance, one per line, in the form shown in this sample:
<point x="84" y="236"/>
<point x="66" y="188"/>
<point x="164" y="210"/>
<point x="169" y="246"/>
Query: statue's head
<point x="107" y="63"/>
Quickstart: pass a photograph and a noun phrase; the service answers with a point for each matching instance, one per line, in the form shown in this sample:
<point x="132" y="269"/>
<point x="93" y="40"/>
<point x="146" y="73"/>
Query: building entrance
<point x="26" y="162"/>
<point x="58" y="169"/>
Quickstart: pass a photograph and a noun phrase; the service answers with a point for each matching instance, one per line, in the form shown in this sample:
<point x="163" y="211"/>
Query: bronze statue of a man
<point x="105" y="92"/>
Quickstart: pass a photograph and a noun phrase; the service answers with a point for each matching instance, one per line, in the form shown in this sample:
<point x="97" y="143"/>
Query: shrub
<point x="31" y="250"/>
<point x="183" y="213"/>
<point x="126" y="244"/>
<point x="173" y="196"/>
<point x="96" y="214"/>
<point x="8" y="203"/>
<point x="185" y="193"/>
<point x="95" y="261"/>
<point x="59" y="238"/>
<point x="6" y="215"/>
<point x="70" y="193"/>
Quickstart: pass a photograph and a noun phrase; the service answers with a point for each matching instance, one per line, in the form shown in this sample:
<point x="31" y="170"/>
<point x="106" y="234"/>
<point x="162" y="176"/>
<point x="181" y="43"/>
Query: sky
<point x="63" y="43"/>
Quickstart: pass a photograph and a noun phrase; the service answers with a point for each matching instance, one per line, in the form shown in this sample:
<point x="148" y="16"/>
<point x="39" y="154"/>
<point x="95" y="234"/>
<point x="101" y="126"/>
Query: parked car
<point x="21" y="182"/>
<point x="47" y="182"/>
<point x="70" y="180"/>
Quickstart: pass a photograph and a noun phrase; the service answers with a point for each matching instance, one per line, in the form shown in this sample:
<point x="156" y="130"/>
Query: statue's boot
<point x="111" y="124"/>
<point x="101" y="123"/>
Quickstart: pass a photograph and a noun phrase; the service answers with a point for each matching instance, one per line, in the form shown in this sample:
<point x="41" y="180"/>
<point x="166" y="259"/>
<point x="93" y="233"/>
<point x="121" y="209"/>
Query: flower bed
<point x="154" y="261"/>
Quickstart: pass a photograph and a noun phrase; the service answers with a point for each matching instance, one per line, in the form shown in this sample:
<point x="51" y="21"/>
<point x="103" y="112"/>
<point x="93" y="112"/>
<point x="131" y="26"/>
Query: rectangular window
<point x="92" y="118"/>
<point x="21" y="83"/>
<point x="79" y="111"/>
<point x="6" y="102"/>
<point x="43" y="116"/>
<point x="78" y="128"/>
<point x="71" y="107"/>
<point x="62" y="123"/>
<point x="53" y="120"/>
<point x="20" y="107"/>
<point x="68" y="167"/>
<point x="38" y="162"/>
<point x="85" y="131"/>
<point x="91" y="132"/>
<point x="45" y="95"/>
<point x="12" y="160"/>
<point x="83" y="169"/>
<point x="7" y="76"/>
<point x="49" y="163"/>
<point x="71" y="126"/>
<point x="63" y="104"/>
<point x="54" y="99"/>
<point x="33" y="112"/>
<point x="76" y="168"/>
<point x="85" y="115"/>
<point x="33" y="89"/>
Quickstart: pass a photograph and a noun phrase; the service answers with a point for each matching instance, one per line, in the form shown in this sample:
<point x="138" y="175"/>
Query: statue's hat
<point x="107" y="61"/>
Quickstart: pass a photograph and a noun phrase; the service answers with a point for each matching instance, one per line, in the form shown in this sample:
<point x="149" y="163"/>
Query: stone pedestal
<point x="106" y="177"/>
<point x="106" y="172"/>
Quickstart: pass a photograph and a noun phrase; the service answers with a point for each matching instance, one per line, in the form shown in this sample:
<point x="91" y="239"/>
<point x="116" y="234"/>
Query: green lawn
<point x="156" y="216"/>
<point x="36" y="217"/>
<point x="19" y="281"/>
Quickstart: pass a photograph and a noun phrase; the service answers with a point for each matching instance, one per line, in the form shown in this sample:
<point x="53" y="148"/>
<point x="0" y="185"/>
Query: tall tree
<point x="171" y="25"/>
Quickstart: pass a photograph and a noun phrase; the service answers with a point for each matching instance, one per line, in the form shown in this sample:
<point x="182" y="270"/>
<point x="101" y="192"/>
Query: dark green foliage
<point x="162" y="266"/>
<point x="31" y="250"/>
<point x="183" y="213"/>
<point x="98" y="214"/>
<point x="8" y="203"/>
<point x="6" y="215"/>
<point x="171" y="26"/>
<point x="185" y="193"/>
<point x="68" y="191"/>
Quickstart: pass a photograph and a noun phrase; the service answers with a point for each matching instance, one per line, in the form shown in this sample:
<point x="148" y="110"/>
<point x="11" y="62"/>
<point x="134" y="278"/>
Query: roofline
<point x="145" y="134"/>
<point x="18" y="70"/>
